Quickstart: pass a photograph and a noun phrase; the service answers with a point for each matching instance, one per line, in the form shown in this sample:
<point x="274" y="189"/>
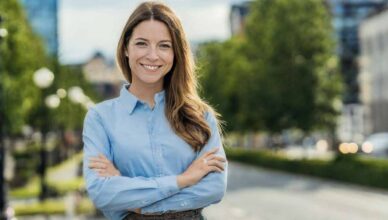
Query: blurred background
<point x="302" y="86"/>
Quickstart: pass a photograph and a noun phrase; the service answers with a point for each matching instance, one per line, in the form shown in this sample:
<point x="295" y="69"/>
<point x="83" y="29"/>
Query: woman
<point x="154" y="152"/>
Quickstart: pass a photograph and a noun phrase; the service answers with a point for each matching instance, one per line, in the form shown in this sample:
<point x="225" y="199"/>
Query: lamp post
<point x="43" y="78"/>
<point x="77" y="95"/>
<point x="3" y="200"/>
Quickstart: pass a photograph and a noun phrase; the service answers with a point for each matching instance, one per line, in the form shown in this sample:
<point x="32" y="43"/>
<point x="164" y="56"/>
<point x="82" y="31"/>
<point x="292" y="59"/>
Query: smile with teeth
<point x="151" y="67"/>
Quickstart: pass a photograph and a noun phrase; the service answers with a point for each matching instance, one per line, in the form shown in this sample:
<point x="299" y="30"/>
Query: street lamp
<point x="52" y="101"/>
<point x="77" y="95"/>
<point x="3" y="200"/>
<point x="43" y="78"/>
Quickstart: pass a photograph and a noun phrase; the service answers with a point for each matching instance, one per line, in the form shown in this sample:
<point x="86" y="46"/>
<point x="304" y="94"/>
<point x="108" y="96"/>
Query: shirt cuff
<point x="168" y="185"/>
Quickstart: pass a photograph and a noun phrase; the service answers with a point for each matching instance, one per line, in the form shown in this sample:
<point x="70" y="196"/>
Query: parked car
<point x="376" y="144"/>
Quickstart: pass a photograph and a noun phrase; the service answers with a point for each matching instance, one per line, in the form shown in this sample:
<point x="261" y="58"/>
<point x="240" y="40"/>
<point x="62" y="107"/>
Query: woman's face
<point x="150" y="53"/>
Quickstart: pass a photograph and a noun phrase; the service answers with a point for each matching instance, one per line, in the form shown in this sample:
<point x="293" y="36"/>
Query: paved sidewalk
<point x="261" y="194"/>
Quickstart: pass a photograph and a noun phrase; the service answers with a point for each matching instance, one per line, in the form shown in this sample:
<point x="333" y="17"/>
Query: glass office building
<point x="43" y="17"/>
<point x="347" y="17"/>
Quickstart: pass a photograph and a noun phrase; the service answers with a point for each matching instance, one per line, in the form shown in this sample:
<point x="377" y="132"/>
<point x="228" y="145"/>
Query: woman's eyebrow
<point x="140" y="38"/>
<point x="162" y="41"/>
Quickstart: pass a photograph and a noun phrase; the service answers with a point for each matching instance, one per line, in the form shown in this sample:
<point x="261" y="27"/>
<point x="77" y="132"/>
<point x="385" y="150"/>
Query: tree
<point x="21" y="53"/>
<point x="281" y="73"/>
<point x="292" y="52"/>
<point x="223" y="69"/>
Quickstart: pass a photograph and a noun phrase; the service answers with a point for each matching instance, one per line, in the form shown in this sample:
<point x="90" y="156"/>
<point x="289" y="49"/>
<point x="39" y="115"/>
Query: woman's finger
<point x="214" y="169"/>
<point x="216" y="163"/>
<point x="215" y="157"/>
<point x="96" y="159"/>
<point x="221" y="159"/>
<point x="99" y="165"/>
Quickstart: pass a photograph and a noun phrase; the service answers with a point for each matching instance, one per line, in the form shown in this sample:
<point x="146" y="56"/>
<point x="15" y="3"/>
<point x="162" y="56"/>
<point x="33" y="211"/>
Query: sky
<point x="88" y="26"/>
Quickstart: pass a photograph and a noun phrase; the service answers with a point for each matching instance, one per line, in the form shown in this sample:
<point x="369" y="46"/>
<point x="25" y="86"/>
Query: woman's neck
<point x="145" y="93"/>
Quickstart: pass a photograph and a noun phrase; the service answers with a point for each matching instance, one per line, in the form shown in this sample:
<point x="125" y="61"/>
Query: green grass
<point x="32" y="188"/>
<point x="52" y="207"/>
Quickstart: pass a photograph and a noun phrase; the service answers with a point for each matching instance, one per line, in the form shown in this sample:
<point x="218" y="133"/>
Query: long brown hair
<point x="185" y="110"/>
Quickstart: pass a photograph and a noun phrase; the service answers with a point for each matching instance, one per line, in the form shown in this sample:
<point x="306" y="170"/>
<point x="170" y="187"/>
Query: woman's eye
<point x="140" y="44"/>
<point x="165" y="45"/>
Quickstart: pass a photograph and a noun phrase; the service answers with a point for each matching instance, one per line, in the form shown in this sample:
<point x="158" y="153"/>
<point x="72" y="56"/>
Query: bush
<point x="347" y="168"/>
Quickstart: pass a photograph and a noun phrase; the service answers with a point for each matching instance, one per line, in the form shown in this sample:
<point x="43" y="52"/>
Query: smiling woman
<point x="150" y="54"/>
<point x="155" y="152"/>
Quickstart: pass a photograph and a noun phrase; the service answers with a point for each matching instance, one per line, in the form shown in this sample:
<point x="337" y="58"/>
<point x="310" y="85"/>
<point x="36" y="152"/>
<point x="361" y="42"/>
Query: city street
<point x="260" y="194"/>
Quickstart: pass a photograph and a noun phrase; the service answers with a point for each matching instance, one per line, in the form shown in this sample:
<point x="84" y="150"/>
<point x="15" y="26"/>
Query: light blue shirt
<point x="149" y="156"/>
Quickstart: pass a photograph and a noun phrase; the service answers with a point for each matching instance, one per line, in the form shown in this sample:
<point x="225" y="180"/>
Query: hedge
<point x="355" y="169"/>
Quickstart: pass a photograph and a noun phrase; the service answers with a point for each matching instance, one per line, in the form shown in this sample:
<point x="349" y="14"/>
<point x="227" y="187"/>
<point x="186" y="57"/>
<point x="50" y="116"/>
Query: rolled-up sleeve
<point x="118" y="192"/>
<point x="209" y="190"/>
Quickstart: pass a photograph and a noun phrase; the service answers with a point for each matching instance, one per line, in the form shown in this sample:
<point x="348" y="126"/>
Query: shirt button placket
<point x="156" y="147"/>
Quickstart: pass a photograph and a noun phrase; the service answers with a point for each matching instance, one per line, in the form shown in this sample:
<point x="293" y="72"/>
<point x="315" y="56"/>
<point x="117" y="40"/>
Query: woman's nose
<point x="152" y="54"/>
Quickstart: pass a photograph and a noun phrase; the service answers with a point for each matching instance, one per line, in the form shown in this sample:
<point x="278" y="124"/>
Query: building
<point x="43" y="17"/>
<point x="104" y="75"/>
<point x="237" y="17"/>
<point x="347" y="16"/>
<point x="373" y="77"/>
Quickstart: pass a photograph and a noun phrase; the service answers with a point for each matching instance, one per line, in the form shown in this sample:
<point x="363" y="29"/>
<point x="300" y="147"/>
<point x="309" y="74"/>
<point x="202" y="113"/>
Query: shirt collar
<point x="130" y="101"/>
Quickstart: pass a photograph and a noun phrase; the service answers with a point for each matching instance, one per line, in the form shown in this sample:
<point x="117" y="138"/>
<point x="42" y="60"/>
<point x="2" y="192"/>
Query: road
<point x="260" y="194"/>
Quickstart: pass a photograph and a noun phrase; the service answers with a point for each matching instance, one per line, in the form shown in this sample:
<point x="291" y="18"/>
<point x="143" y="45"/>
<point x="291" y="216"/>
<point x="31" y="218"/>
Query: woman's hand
<point x="209" y="162"/>
<point x="103" y="166"/>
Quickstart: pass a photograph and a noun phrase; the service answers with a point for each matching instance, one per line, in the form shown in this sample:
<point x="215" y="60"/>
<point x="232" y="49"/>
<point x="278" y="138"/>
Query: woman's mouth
<point x="151" y="67"/>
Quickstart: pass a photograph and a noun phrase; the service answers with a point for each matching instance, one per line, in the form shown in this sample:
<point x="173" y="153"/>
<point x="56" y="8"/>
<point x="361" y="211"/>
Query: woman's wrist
<point x="183" y="181"/>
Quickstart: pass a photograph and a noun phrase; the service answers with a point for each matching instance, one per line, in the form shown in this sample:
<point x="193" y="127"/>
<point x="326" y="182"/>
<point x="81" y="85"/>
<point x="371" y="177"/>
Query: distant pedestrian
<point x="154" y="152"/>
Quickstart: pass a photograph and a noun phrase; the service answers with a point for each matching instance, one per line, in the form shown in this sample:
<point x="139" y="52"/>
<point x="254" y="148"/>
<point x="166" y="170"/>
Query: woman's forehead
<point x="151" y="30"/>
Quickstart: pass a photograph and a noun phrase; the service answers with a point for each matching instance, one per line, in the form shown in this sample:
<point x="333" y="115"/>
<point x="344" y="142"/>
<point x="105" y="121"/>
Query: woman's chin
<point x="152" y="80"/>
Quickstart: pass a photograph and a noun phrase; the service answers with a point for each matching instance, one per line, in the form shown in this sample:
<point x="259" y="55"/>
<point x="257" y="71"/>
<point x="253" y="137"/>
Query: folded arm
<point x="118" y="192"/>
<point x="207" y="191"/>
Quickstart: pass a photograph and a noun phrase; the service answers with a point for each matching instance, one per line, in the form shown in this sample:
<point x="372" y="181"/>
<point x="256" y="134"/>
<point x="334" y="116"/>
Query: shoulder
<point x="102" y="109"/>
<point x="212" y="117"/>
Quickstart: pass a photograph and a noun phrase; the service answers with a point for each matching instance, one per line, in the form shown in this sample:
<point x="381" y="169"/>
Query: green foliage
<point x="58" y="187"/>
<point x="63" y="187"/>
<point x="280" y="74"/>
<point x="30" y="190"/>
<point x="27" y="164"/>
<point x="21" y="54"/>
<point x="348" y="168"/>
<point x="68" y="115"/>
<point x="50" y="207"/>
<point x="222" y="69"/>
